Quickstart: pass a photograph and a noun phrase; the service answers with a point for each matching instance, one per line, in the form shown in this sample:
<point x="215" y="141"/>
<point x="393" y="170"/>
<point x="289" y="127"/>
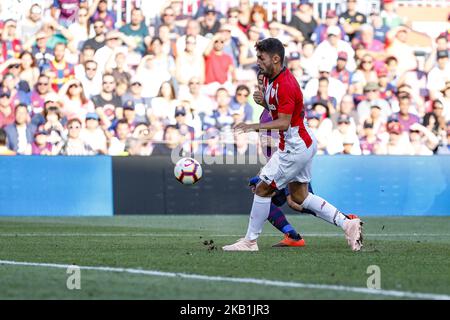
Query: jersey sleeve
<point x="286" y="99"/>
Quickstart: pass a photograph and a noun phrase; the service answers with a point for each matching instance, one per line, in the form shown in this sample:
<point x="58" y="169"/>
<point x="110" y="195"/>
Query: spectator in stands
<point x="321" y="31"/>
<point x="423" y="141"/>
<point x="258" y="18"/>
<point x="98" y="11"/>
<point x="247" y="55"/>
<point x="372" y="93"/>
<point x="137" y="31"/>
<point x="11" y="46"/>
<point x="168" y="20"/>
<point x="74" y="101"/>
<point x="405" y="118"/>
<point x="7" y="115"/>
<point x="118" y="143"/>
<point x="20" y="133"/>
<point x="118" y="67"/>
<point x="445" y="99"/>
<point x="115" y="41"/>
<point x="240" y="103"/>
<point x="66" y="10"/>
<point x="303" y="19"/>
<point x="164" y="104"/>
<point x="93" y="135"/>
<point x="4" y="150"/>
<point x="219" y="68"/>
<point x="210" y="24"/>
<point x="329" y="48"/>
<point x="197" y="99"/>
<point x="190" y="63"/>
<point x="372" y="46"/>
<point x="347" y="107"/>
<point x="213" y="146"/>
<point x="435" y="119"/>
<point x="439" y="75"/>
<point x="99" y="40"/>
<point x="369" y="142"/>
<point x="233" y="21"/>
<point x="245" y="7"/>
<point x="192" y="30"/>
<point x="231" y="45"/>
<point x="90" y="78"/>
<point x="129" y="115"/>
<point x="351" y="19"/>
<point x="221" y="118"/>
<point x="324" y="125"/>
<point x="74" y="144"/>
<point x="142" y="106"/>
<point x="294" y="65"/>
<point x="308" y="62"/>
<point x="389" y="15"/>
<point x="171" y="142"/>
<point x="342" y="136"/>
<point x="60" y="71"/>
<point x="398" y="143"/>
<point x="80" y="29"/>
<point x="41" y="52"/>
<point x="40" y="145"/>
<point x="162" y="65"/>
<point x="28" y="69"/>
<point x="187" y="133"/>
<point x="32" y="23"/>
<point x="401" y="49"/>
<point x="336" y="88"/>
<point x="322" y="95"/>
<point x="417" y="80"/>
<point x="379" y="29"/>
<point x="366" y="70"/>
<point x="107" y="104"/>
<point x="140" y="144"/>
<point x="340" y="71"/>
<point x="53" y="101"/>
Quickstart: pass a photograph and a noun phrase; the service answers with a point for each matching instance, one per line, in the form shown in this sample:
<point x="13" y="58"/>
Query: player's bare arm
<point x="282" y="123"/>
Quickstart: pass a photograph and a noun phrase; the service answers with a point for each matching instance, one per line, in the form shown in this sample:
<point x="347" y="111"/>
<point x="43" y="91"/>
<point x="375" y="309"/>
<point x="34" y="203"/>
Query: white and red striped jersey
<point x="283" y="95"/>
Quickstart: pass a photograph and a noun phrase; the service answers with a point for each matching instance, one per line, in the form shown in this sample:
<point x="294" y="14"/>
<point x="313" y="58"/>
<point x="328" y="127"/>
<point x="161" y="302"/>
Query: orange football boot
<point x="289" y="242"/>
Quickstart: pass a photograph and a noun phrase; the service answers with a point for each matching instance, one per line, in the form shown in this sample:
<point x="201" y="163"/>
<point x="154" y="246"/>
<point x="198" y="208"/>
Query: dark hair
<point x="33" y="59"/>
<point x="271" y="46"/>
<point x="121" y="121"/>
<point x="21" y="105"/>
<point x="73" y="120"/>
<point x="170" y="126"/>
<point x="2" y="137"/>
<point x="172" y="89"/>
<point x="242" y="87"/>
<point x="324" y="79"/>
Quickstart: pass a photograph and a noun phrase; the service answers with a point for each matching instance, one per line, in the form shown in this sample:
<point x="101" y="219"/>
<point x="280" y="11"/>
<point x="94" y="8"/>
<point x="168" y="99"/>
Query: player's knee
<point x="264" y="190"/>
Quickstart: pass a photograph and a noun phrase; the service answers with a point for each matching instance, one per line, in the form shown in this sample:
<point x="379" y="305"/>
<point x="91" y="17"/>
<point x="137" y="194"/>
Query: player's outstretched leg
<point x="326" y="211"/>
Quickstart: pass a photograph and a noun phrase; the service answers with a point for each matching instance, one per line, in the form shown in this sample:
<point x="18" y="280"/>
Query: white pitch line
<point x="211" y="235"/>
<point x="263" y="282"/>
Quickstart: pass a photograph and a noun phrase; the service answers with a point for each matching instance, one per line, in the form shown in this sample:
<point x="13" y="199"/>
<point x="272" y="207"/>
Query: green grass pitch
<point x="413" y="254"/>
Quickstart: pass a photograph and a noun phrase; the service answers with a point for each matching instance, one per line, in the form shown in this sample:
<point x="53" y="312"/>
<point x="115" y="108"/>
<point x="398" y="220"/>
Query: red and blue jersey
<point x="62" y="71"/>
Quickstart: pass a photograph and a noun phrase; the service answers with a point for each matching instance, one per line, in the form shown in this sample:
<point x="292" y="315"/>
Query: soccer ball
<point x="188" y="171"/>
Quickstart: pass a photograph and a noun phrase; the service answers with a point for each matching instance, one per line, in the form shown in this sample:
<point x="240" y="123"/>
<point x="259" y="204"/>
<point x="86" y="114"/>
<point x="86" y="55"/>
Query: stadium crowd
<point x="73" y="84"/>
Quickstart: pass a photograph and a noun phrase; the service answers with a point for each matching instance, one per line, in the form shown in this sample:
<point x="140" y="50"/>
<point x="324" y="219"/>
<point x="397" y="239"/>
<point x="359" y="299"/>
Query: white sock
<point x="258" y="216"/>
<point x="324" y="210"/>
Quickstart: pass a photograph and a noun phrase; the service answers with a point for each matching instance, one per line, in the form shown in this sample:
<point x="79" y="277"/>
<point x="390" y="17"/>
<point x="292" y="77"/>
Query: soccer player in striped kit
<point x="291" y="164"/>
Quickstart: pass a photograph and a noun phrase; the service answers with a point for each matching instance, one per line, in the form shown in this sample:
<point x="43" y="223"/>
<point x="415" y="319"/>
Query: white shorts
<point x="285" y="167"/>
